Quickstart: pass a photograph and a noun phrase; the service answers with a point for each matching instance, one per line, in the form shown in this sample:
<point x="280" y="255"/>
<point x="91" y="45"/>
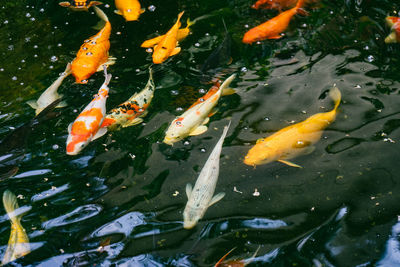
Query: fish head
<point x="131" y="14"/>
<point x="391" y="21"/>
<point x="160" y="54"/>
<point x="75" y="144"/>
<point x="176" y="131"/>
<point x="190" y="218"/>
<point x="261" y="153"/>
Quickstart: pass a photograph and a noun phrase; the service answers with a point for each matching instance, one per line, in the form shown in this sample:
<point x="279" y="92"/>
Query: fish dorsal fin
<point x="291" y="164"/>
<point x="199" y="130"/>
<point x="70" y="127"/>
<point x="100" y="133"/>
<point x="216" y="198"/>
<point x="188" y="190"/>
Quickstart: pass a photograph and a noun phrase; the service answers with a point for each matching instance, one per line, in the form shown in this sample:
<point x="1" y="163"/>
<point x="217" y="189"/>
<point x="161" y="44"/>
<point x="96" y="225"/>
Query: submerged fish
<point x="235" y="263"/>
<point x="93" y="54"/>
<point x="18" y="244"/>
<point x="201" y="196"/>
<point x="167" y="46"/>
<point x="274" y="4"/>
<point x="294" y="140"/>
<point x="394" y="36"/>
<point x="273" y="27"/>
<point x="129" y="9"/>
<point x="129" y="112"/>
<point x="79" y="5"/>
<point x="192" y="121"/>
<point x="86" y="126"/>
<point x="51" y="94"/>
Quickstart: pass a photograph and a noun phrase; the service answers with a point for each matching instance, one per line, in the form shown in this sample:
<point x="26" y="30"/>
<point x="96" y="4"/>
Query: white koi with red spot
<point x="192" y="121"/>
<point x="86" y="127"/>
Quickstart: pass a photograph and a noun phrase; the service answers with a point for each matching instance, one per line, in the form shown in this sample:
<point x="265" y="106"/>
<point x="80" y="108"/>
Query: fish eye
<point x="178" y="123"/>
<point x="163" y="47"/>
<point x="89" y="53"/>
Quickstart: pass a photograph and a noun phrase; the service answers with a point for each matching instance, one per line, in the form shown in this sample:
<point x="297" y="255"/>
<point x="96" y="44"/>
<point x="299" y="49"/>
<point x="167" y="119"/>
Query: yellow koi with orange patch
<point x="294" y="140"/>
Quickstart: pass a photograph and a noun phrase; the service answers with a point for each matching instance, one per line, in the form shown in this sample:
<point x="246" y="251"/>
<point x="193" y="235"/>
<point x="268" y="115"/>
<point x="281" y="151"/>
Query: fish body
<point x="129" y="112"/>
<point x="294" y="140"/>
<point x="274" y="4"/>
<point x="192" y="121"/>
<point x="235" y="263"/>
<point x="86" y="126"/>
<point x="273" y="27"/>
<point x="79" y="5"/>
<point x="18" y="243"/>
<point x="51" y="94"/>
<point x="129" y="9"/>
<point x="201" y="196"/>
<point x="182" y="34"/>
<point x="93" y="54"/>
<point x="394" y="36"/>
<point x="168" y="44"/>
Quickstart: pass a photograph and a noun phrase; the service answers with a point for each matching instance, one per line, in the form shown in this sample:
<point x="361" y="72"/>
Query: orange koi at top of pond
<point x="274" y="4"/>
<point x="79" y="5"/>
<point x="129" y="9"/>
<point x="93" y="54"/>
<point x="292" y="141"/>
<point x="86" y="126"/>
<point x="273" y="27"/>
<point x="167" y="45"/>
<point x="394" y="36"/>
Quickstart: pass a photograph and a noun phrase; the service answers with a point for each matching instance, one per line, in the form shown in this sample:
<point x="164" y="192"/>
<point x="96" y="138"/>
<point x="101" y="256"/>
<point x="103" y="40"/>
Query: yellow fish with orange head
<point x="129" y="9"/>
<point x="294" y="140"/>
<point x="168" y="44"/>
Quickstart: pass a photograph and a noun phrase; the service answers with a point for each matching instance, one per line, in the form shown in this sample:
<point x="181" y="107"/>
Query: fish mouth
<point x="72" y="153"/>
<point x="189" y="224"/>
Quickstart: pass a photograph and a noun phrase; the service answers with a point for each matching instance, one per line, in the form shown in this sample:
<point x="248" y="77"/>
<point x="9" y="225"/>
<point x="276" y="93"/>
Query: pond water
<point x="120" y="201"/>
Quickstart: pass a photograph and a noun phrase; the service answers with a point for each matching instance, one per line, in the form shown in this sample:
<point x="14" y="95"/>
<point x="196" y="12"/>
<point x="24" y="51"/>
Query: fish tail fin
<point x="10" y="205"/>
<point x="336" y="96"/>
<point x="179" y="16"/>
<point x="189" y="23"/>
<point x="47" y="112"/>
<point x="224" y="257"/>
<point x="225" y="85"/>
<point x="67" y="70"/>
<point x="100" y="13"/>
<point x="107" y="76"/>
<point x="300" y="4"/>
<point x="226" y="128"/>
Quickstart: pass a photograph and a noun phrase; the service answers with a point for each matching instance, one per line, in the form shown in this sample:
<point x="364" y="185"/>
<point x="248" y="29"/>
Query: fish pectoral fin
<point x="290" y="163"/>
<point x="206" y="120"/>
<point x="110" y="61"/>
<point x="70" y="128"/>
<point x="62" y="104"/>
<point x="213" y="111"/>
<point x="176" y="51"/>
<point x="118" y="12"/>
<point x="199" y="130"/>
<point x="132" y="122"/>
<point x="275" y="37"/>
<point x="216" y="198"/>
<point x="33" y="104"/>
<point x="188" y="190"/>
<point x="142" y="10"/>
<point x="100" y="133"/>
<point x="228" y="91"/>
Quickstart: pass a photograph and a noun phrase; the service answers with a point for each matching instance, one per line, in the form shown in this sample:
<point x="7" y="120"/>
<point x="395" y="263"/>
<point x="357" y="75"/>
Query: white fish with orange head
<point x="192" y="121"/>
<point x="86" y="126"/>
<point x="201" y="196"/>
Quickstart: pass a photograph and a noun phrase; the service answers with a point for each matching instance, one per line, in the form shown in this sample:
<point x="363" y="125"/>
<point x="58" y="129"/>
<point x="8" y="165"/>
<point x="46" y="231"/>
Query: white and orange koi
<point x="192" y="121"/>
<point x="130" y="112"/>
<point x="86" y="127"/>
<point x="394" y="36"/>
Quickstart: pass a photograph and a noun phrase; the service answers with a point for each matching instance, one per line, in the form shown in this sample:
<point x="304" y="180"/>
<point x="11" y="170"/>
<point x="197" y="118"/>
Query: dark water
<point x="341" y="209"/>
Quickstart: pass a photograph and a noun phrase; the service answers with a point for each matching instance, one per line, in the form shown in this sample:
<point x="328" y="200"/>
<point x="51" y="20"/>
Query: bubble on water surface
<point x="55" y="147"/>
<point x="244" y="69"/>
<point x="202" y="91"/>
<point x="149" y="50"/>
<point x="174" y="92"/>
<point x="203" y="150"/>
<point x="41" y="10"/>
<point x="370" y="58"/>
<point x="197" y="45"/>
<point x="14" y="78"/>
<point x="186" y="143"/>
<point x="28" y="15"/>
<point x="151" y="8"/>
<point x="53" y="59"/>
<point x="107" y="6"/>
<point x="179" y="109"/>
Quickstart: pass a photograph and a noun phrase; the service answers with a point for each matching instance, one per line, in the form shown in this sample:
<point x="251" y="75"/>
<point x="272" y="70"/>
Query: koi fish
<point x="294" y="140"/>
<point x="274" y="4"/>
<point x="273" y="27"/>
<point x="129" y="9"/>
<point x="235" y="263"/>
<point x="129" y="112"/>
<point x="86" y="126"/>
<point x="18" y="244"/>
<point x="394" y="36"/>
<point x="182" y="34"/>
<point x="192" y="121"/>
<point x="93" y="54"/>
<point x="168" y="44"/>
<point x="79" y="5"/>
<point x="201" y="196"/>
<point x="50" y="95"/>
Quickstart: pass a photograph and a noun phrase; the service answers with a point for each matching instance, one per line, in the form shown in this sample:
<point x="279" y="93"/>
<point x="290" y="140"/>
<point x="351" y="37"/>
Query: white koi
<point x="192" y="121"/>
<point x="201" y="196"/>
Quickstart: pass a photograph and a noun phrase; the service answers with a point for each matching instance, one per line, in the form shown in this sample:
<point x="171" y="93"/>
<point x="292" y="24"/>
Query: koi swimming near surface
<point x="86" y="126"/>
<point x="129" y="9"/>
<point x="394" y="36"/>
<point x="93" y="54"/>
<point x="79" y="5"/>
<point x="130" y="112"/>
<point x="294" y="140"/>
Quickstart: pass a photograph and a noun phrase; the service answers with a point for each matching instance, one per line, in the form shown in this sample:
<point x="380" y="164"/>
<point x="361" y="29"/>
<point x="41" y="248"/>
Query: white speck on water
<point x="151" y="8"/>
<point x="179" y="109"/>
<point x="14" y="78"/>
<point x="207" y="34"/>
<point x="366" y="47"/>
<point x="33" y="19"/>
<point x="53" y="59"/>
<point x="149" y="50"/>
<point x="27" y="39"/>
<point x="35" y="46"/>
<point x="186" y="143"/>
<point x="202" y="91"/>
<point x="197" y="45"/>
<point x="118" y="33"/>
<point x="5" y="22"/>
<point x="246" y="26"/>
<point x="35" y="55"/>
<point x="137" y="70"/>
<point x="244" y="69"/>
<point x="203" y="150"/>
<point x="55" y="147"/>
<point x="21" y="84"/>
<point x="175" y="193"/>
<point x="357" y="86"/>
<point x="66" y="23"/>
<point x="1" y="69"/>
<point x="107" y="5"/>
<point x="10" y="47"/>
<point x="266" y="119"/>
<point x="237" y="191"/>
<point x="28" y="15"/>
<point x="370" y="58"/>
<point x="258" y="42"/>
<point x="41" y="10"/>
<point x="174" y="92"/>
<point x="51" y="67"/>
<point x="256" y="193"/>
<point x="75" y="110"/>
<point x="23" y="61"/>
<point x="59" y="44"/>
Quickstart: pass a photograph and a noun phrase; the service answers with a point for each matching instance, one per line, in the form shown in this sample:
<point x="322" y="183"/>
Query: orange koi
<point x="235" y="263"/>
<point x="168" y="44"/>
<point x="394" y="36"/>
<point x="274" y="4"/>
<point x="86" y="126"/>
<point x="79" y="5"/>
<point x="93" y="54"/>
<point x="182" y="34"/>
<point x="273" y="27"/>
<point x="129" y="9"/>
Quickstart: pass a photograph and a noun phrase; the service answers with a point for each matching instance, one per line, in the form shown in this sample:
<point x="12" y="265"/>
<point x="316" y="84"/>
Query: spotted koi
<point x="79" y="5"/>
<point x="93" y="54"/>
<point x="130" y="112"/>
<point x="86" y="126"/>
